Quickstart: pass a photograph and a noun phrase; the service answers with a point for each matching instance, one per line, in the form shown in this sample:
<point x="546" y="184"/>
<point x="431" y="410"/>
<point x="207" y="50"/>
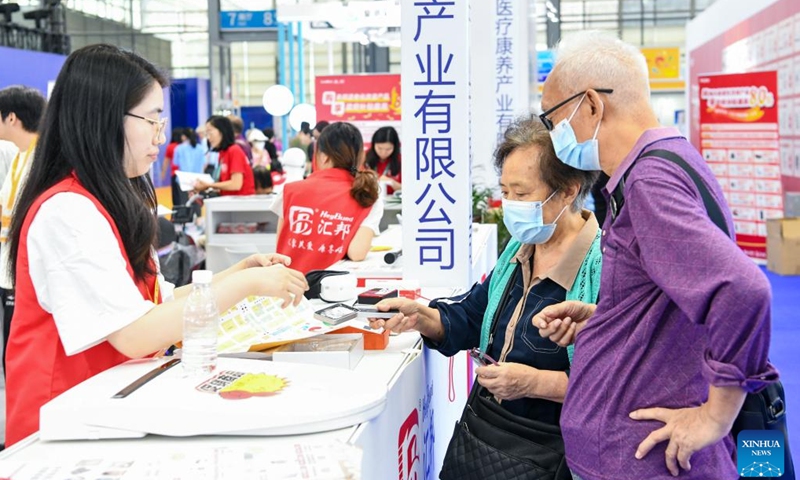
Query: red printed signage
<point x="739" y="138"/>
<point x="408" y="448"/>
<point x="353" y="98"/>
<point x="367" y="101"/>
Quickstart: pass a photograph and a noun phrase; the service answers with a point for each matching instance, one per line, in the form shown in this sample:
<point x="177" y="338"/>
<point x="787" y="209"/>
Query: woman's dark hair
<point x="385" y="135"/>
<point x="78" y="135"/>
<point x="191" y="135"/>
<point x="342" y="144"/>
<point x="262" y="177"/>
<point x="225" y="127"/>
<point x="528" y="131"/>
<point x="269" y="133"/>
<point x="177" y="133"/>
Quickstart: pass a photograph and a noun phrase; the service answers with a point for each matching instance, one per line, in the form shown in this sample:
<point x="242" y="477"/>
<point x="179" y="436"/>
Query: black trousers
<point x="7" y="298"/>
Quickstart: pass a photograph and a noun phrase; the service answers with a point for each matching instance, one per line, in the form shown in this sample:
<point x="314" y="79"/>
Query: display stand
<point x="225" y="249"/>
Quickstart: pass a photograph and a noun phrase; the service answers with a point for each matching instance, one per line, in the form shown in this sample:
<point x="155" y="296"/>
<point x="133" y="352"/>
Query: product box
<point x="373" y="339"/>
<point x="333" y="350"/>
<point x="783" y="246"/>
<point x="375" y="295"/>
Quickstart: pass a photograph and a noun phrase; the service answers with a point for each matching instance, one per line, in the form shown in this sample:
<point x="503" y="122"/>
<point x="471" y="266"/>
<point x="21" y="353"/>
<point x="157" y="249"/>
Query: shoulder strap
<point x="617" y="199"/>
<point x="502" y="274"/>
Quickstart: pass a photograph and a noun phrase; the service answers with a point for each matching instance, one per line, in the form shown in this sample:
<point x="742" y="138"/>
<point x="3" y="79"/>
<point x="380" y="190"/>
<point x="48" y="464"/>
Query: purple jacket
<point x="681" y="307"/>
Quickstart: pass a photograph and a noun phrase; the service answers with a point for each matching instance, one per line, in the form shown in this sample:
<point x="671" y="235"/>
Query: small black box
<point x="375" y="295"/>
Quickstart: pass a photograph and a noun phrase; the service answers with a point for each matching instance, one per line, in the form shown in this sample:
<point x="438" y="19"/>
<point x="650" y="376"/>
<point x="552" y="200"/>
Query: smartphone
<point x="371" y="311"/>
<point x="336" y="314"/>
<point x="481" y="357"/>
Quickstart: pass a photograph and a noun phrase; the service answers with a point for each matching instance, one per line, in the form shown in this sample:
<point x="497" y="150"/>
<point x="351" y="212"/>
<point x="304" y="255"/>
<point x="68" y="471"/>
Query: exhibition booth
<point x="296" y="396"/>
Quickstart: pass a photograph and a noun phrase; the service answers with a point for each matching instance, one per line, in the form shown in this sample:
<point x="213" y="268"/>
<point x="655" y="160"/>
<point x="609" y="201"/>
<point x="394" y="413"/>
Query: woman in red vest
<point x="234" y="173"/>
<point x="88" y="289"/>
<point x="336" y="211"/>
<point x="383" y="156"/>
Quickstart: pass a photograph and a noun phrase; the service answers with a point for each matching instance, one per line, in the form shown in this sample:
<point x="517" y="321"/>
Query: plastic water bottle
<point x="200" y="324"/>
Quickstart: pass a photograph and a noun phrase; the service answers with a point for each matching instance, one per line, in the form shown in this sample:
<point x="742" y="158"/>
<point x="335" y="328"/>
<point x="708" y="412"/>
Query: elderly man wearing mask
<point x="681" y="332"/>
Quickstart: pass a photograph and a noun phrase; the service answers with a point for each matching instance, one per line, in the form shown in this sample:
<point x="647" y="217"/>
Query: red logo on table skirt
<point x="408" y="447"/>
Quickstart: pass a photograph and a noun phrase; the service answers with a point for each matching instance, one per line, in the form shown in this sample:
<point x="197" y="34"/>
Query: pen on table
<point x="139" y="382"/>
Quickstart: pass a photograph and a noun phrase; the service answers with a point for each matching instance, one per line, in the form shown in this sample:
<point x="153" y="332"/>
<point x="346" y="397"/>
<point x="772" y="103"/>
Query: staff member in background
<point x="336" y="211"/>
<point x="168" y="167"/>
<point x="315" y="133"/>
<point x="88" y="288"/>
<point x="234" y="175"/>
<point x="238" y="133"/>
<point x="8" y="151"/>
<point x="191" y="154"/>
<point x="21" y="109"/>
<point x="384" y="157"/>
<point x="269" y="146"/>
<point x="264" y="184"/>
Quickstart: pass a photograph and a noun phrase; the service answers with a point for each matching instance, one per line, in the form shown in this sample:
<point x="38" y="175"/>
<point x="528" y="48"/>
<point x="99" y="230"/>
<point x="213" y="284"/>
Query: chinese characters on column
<point x="505" y="47"/>
<point x="436" y="137"/>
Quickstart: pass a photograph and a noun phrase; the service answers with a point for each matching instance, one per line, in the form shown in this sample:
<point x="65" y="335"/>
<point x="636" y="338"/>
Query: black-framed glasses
<point x="159" y="124"/>
<point x="548" y="124"/>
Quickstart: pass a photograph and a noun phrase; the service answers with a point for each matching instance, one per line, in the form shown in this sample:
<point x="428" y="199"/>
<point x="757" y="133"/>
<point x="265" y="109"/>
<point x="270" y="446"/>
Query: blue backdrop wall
<point x="32" y="69"/>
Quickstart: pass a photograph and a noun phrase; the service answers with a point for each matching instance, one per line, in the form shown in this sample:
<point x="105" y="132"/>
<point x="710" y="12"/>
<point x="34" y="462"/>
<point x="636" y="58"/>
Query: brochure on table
<point x="186" y="180"/>
<point x="242" y="397"/>
<point x="258" y="323"/>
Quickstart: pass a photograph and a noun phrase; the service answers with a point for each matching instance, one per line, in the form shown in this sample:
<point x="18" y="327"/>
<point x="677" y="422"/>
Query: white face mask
<point x="583" y="156"/>
<point x="525" y="222"/>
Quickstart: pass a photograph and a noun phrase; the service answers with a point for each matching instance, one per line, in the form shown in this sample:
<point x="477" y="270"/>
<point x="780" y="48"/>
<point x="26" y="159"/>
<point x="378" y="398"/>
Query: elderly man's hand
<point x="688" y="430"/>
<point x="562" y="321"/>
<point x="507" y="381"/>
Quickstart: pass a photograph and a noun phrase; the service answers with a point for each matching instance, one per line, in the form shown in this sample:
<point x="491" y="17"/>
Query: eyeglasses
<point x="548" y="124"/>
<point x="160" y="124"/>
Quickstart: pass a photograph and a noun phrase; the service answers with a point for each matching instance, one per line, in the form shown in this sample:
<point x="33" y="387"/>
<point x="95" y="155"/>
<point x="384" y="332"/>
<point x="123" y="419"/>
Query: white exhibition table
<point x="399" y="367"/>
<point x="405" y="439"/>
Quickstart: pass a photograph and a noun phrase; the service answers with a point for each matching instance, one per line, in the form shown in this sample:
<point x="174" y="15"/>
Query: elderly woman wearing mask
<point x="554" y="255"/>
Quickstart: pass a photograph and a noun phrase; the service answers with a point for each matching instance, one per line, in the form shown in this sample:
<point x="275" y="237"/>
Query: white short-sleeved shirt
<point x="372" y="220"/>
<point x="7" y="153"/>
<point x="80" y="275"/>
<point x="9" y="150"/>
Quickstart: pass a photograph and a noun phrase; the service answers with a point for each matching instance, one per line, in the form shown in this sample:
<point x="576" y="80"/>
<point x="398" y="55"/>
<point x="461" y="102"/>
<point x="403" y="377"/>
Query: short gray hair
<point x="594" y="59"/>
<point x="528" y="131"/>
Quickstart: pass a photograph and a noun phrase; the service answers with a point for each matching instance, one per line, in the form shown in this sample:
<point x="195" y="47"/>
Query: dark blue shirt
<point x="462" y="317"/>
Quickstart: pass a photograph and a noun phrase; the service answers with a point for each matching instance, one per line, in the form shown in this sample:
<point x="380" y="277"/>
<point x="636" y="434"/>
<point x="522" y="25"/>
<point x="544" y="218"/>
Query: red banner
<point x="740" y="140"/>
<point x="367" y="101"/>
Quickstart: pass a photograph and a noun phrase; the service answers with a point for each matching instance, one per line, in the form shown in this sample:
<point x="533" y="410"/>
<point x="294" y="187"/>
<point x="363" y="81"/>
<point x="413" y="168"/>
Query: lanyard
<point x="154" y="297"/>
<point x="16" y="173"/>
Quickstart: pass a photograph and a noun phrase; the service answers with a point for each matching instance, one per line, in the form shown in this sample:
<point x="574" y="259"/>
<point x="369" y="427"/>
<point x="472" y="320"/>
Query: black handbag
<point x="491" y="443"/>
<point x="765" y="410"/>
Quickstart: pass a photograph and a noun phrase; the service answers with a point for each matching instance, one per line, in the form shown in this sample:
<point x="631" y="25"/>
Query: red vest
<point x="320" y="219"/>
<point x="37" y="368"/>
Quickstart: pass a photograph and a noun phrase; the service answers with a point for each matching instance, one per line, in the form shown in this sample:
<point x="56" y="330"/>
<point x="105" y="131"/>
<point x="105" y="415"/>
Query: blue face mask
<point x="583" y="156"/>
<point x="525" y="222"/>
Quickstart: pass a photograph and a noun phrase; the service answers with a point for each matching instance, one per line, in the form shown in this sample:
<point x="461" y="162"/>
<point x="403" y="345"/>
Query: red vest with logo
<point x="37" y="368"/>
<point x="320" y="219"/>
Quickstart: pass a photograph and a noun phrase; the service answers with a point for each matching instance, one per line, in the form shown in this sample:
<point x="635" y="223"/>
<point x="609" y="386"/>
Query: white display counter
<point x="406" y="440"/>
<point x="399" y="367"/>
